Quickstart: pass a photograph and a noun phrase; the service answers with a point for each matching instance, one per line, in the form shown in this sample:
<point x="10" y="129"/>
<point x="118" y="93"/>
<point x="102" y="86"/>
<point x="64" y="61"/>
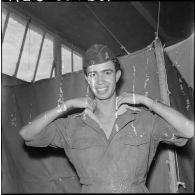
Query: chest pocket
<point x="84" y="143"/>
<point x="133" y="140"/>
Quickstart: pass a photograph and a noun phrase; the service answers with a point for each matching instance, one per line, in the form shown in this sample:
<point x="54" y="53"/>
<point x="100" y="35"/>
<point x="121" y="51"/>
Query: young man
<point x="110" y="144"/>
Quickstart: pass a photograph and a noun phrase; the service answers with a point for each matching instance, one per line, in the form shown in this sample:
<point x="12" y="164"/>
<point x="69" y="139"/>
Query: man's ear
<point x="86" y="78"/>
<point x="118" y="75"/>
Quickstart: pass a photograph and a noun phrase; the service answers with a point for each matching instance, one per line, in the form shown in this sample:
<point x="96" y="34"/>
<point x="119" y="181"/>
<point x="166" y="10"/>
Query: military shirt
<point x="116" y="164"/>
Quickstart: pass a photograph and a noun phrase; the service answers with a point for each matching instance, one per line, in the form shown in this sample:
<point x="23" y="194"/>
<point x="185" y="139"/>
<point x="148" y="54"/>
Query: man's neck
<point x="106" y="108"/>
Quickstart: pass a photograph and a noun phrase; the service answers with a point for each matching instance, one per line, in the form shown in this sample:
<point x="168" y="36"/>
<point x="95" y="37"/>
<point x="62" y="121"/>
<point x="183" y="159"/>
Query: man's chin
<point x="103" y="97"/>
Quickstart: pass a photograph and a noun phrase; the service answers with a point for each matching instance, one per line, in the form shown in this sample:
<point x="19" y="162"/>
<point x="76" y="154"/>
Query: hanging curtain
<point x="182" y="57"/>
<point x="47" y="170"/>
<point x="182" y="99"/>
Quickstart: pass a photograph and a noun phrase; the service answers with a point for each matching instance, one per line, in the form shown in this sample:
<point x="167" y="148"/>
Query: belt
<point x="99" y="186"/>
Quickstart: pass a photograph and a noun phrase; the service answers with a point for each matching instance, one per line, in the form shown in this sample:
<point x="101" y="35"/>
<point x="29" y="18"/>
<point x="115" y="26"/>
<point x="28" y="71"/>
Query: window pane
<point x="53" y="73"/>
<point x="12" y="43"/>
<point x="30" y="53"/>
<point x="3" y="17"/>
<point x="77" y="62"/>
<point x="66" y="60"/>
<point x="46" y="60"/>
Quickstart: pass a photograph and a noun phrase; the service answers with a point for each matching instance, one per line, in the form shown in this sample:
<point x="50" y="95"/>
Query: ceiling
<point x="130" y="24"/>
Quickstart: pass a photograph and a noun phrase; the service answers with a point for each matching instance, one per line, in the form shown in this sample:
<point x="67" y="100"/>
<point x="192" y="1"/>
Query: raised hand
<point x="130" y="98"/>
<point x="29" y="131"/>
<point x="82" y="102"/>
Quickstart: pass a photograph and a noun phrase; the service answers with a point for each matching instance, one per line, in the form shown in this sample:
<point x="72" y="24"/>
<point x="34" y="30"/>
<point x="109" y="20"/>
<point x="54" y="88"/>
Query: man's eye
<point x="108" y="72"/>
<point x="91" y="75"/>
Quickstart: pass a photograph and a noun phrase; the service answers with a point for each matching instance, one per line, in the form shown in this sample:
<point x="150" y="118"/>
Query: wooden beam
<point x="39" y="56"/>
<point x="144" y="12"/>
<point x="21" y="48"/>
<point x="5" y="25"/>
<point x="72" y="60"/>
<point x="57" y="58"/>
<point x="52" y="69"/>
<point x="164" y="93"/>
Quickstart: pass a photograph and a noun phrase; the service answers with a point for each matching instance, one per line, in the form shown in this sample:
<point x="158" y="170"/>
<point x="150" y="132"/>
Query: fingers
<point x="134" y="108"/>
<point x="89" y="103"/>
<point x="123" y="98"/>
<point x="128" y="98"/>
<point x="118" y="103"/>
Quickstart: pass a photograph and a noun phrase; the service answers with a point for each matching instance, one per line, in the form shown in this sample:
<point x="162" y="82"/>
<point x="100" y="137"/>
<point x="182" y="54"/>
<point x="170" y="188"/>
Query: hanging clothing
<point x="116" y="164"/>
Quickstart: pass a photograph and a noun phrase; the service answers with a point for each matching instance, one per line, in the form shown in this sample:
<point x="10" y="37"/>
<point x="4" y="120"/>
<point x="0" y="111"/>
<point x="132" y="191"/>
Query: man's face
<point x="102" y="79"/>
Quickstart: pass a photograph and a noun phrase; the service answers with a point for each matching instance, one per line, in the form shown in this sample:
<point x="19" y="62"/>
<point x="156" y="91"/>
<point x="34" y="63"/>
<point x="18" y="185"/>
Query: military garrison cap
<point x="97" y="54"/>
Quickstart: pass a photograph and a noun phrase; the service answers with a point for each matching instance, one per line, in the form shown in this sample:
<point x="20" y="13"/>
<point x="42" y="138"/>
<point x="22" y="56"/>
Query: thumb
<point x="89" y="103"/>
<point x="119" y="102"/>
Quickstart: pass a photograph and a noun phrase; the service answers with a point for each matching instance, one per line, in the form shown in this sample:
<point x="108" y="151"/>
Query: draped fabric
<point x="48" y="170"/>
<point x="182" y="56"/>
<point x="179" y="60"/>
<point x="182" y="99"/>
<point x="25" y="169"/>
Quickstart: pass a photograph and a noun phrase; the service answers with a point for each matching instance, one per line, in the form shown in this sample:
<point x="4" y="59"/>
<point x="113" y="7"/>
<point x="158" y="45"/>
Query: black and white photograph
<point x="97" y="97"/>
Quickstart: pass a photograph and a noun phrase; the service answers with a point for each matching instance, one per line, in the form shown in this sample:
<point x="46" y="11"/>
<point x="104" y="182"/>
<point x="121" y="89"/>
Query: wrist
<point x="69" y="104"/>
<point x="149" y="103"/>
<point x="63" y="107"/>
<point x="152" y="104"/>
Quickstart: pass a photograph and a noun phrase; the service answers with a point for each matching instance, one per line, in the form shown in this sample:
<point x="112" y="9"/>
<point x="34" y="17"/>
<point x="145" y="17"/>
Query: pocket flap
<point x="82" y="143"/>
<point x="133" y="140"/>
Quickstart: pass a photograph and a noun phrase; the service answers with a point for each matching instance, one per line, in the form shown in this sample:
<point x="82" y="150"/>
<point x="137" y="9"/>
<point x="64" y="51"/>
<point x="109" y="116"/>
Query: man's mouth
<point x="102" y="89"/>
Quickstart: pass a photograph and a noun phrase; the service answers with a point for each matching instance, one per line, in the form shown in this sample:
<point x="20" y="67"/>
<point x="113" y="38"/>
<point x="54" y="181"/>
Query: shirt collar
<point x="128" y="116"/>
<point x="125" y="114"/>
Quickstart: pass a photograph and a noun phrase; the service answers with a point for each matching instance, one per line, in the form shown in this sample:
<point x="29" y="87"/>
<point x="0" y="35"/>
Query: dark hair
<point x="116" y="62"/>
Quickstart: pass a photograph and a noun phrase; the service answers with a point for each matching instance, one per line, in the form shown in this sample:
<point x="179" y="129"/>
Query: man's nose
<point x="100" y="78"/>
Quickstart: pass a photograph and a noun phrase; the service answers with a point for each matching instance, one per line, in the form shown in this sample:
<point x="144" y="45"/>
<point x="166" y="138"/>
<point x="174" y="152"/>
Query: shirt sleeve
<point x="53" y="135"/>
<point x="164" y="132"/>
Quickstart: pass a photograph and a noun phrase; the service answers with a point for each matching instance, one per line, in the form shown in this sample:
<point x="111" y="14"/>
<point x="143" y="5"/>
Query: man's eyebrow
<point x="107" y="70"/>
<point x="94" y="71"/>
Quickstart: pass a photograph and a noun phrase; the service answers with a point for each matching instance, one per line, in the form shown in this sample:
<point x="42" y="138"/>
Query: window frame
<point x="11" y="8"/>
